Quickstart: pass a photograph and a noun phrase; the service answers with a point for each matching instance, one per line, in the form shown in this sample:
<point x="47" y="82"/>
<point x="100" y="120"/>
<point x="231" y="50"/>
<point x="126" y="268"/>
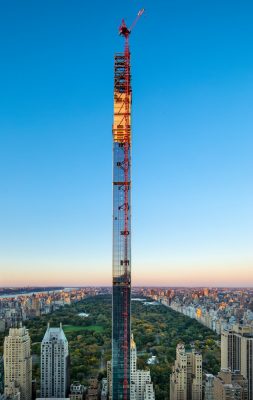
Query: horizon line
<point x="135" y="286"/>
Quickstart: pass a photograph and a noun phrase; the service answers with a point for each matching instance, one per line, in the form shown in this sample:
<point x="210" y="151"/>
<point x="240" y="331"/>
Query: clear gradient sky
<point x="192" y="66"/>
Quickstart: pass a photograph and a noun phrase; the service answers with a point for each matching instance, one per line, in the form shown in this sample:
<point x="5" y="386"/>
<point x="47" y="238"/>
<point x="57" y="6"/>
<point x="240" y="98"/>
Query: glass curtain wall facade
<point x="121" y="310"/>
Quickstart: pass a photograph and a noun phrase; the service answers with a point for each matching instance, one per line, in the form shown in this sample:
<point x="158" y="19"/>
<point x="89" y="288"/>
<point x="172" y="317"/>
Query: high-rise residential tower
<point x="230" y="386"/>
<point x="54" y="363"/>
<point x="230" y="350"/>
<point x="18" y="364"/>
<point x="237" y="352"/>
<point x="186" y="377"/>
<point x="141" y="385"/>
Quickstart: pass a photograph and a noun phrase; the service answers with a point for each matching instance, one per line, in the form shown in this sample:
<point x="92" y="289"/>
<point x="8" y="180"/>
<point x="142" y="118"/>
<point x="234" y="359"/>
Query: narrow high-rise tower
<point x="121" y="224"/>
<point x="121" y="329"/>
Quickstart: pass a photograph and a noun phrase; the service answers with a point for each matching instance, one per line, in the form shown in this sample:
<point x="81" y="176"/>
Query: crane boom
<point x="137" y="19"/>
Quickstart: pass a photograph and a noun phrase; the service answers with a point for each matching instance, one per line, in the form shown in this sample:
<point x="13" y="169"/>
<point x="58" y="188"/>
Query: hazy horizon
<point x="133" y="287"/>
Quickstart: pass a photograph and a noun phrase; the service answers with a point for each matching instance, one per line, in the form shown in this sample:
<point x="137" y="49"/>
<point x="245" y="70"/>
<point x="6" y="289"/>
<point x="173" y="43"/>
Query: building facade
<point x="141" y="385"/>
<point x="54" y="363"/>
<point x="230" y="386"/>
<point x="230" y="350"/>
<point x="109" y="379"/>
<point x="93" y="389"/>
<point x="1" y="375"/>
<point x="104" y="389"/>
<point x="77" y="391"/>
<point x="237" y="353"/>
<point x="18" y="364"/>
<point x="209" y="387"/>
<point x="122" y="145"/>
<point x="186" y="377"/>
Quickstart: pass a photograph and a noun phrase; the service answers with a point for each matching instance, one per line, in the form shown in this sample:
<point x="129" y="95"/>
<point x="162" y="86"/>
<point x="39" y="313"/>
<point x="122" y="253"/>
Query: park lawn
<point x="74" y="328"/>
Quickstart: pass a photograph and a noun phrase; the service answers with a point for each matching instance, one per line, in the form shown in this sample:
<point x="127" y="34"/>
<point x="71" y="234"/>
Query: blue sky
<point x="192" y="67"/>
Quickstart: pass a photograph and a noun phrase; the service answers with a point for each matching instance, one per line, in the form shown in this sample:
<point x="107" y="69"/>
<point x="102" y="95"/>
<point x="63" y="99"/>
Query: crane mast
<point x="121" y="313"/>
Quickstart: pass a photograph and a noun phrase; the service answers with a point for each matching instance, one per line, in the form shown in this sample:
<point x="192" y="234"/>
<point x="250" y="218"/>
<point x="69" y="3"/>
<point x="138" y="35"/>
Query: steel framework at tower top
<point x="121" y="329"/>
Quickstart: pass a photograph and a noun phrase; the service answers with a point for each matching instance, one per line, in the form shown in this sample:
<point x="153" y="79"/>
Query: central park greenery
<point x="156" y="329"/>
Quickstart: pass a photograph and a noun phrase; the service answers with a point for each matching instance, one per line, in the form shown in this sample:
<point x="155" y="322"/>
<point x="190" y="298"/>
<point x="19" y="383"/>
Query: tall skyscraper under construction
<point x="121" y="313"/>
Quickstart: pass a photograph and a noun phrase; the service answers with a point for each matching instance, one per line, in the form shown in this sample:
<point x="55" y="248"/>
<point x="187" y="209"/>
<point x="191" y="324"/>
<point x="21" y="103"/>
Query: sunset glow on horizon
<point x="170" y="275"/>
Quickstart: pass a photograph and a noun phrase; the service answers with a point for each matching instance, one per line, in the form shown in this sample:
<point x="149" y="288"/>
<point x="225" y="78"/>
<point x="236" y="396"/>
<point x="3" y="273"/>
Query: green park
<point x="157" y="330"/>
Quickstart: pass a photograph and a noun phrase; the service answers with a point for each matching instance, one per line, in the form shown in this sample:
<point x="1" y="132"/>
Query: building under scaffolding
<point x="121" y="226"/>
<point x="121" y="313"/>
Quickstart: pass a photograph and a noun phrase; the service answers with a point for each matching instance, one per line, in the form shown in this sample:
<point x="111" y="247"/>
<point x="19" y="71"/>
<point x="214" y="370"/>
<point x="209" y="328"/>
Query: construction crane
<point x="124" y="31"/>
<point x="121" y="328"/>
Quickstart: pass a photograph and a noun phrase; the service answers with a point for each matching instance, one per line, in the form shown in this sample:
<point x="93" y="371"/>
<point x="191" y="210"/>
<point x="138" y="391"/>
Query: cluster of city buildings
<point x="186" y="376"/>
<point x="141" y="387"/>
<point x="15" y="309"/>
<point x="216" y="308"/>
<point x="16" y="381"/>
<point x="16" y="378"/>
<point x="228" y="313"/>
<point x="186" y="379"/>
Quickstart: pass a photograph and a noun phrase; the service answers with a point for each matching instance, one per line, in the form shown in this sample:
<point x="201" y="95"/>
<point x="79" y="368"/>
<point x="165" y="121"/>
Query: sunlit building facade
<point x="18" y="364"/>
<point x="186" y="377"/>
<point x="237" y="352"/>
<point x="54" y="363"/>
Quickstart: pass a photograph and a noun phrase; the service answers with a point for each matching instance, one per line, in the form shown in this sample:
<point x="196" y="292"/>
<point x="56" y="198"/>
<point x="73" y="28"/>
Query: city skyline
<point x="201" y="338"/>
<point x="192" y="130"/>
